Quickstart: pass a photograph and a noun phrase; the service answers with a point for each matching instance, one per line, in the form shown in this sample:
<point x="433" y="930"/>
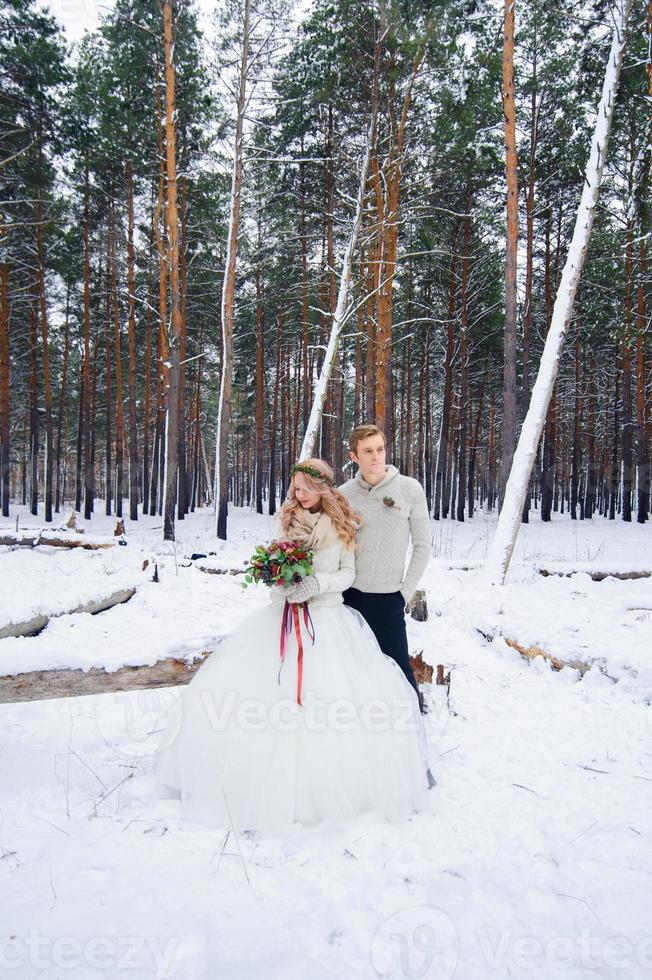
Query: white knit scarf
<point x="314" y="530"/>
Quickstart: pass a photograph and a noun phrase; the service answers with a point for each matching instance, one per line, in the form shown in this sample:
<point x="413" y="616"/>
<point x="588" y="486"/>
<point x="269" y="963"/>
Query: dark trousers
<point x="385" y="613"/>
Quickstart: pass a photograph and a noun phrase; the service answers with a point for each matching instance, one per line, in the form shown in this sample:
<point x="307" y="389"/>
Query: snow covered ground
<point x="533" y="858"/>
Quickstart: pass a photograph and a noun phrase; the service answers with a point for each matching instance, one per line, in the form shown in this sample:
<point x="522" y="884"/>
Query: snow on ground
<point x="532" y="859"/>
<point x="185" y="611"/>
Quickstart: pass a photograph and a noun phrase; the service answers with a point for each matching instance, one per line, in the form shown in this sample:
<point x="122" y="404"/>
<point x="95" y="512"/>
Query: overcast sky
<point x="78" y="16"/>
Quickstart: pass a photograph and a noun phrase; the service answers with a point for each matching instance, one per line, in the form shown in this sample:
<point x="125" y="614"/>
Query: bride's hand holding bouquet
<point x="283" y="564"/>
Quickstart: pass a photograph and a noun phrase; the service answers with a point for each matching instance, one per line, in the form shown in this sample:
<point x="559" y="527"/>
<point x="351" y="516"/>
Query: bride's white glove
<point x="304" y="590"/>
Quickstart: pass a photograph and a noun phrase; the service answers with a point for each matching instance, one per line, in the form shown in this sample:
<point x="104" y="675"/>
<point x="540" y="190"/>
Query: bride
<point x="329" y="730"/>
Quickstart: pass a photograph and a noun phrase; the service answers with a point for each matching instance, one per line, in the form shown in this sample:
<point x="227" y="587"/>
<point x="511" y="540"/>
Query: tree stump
<point x="418" y="607"/>
<point x="421" y="670"/>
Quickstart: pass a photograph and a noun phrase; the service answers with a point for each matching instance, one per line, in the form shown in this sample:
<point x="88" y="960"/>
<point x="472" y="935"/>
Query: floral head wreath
<point x="311" y="471"/>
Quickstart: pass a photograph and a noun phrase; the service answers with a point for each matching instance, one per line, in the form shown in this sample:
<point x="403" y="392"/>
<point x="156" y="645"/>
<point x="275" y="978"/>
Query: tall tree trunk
<point x="591" y="473"/>
<point x="260" y="391"/>
<point x="321" y="387"/>
<point x="508" y="431"/>
<point x="491" y="455"/>
<point x="96" y="346"/>
<point x="444" y="438"/>
<point x="148" y="392"/>
<point x="305" y="305"/>
<point x="408" y="455"/>
<point x="274" y="419"/>
<point x="549" y="439"/>
<point x="359" y="380"/>
<point x="386" y="184"/>
<point x="373" y="264"/>
<point x="627" y="419"/>
<point x="284" y="417"/>
<point x="79" y="468"/>
<point x="108" y="400"/>
<point x="182" y="482"/>
<point x="420" y="428"/>
<point x="117" y="343"/>
<point x="476" y="439"/>
<point x="228" y="293"/>
<point x="504" y="540"/>
<point x="62" y="400"/>
<point x="172" y="226"/>
<point x="324" y="441"/>
<point x="195" y="488"/>
<point x="134" y="476"/>
<point x="427" y="449"/>
<point x="33" y="413"/>
<point x="529" y="249"/>
<point x="47" y="383"/>
<point x="162" y="353"/>
<point x="575" y="465"/>
<point x="643" y="472"/>
<point x="89" y="482"/>
<point x="464" y="362"/>
<point x="614" y="479"/>
<point x="330" y="419"/>
<point x="4" y="388"/>
<point x="642" y="457"/>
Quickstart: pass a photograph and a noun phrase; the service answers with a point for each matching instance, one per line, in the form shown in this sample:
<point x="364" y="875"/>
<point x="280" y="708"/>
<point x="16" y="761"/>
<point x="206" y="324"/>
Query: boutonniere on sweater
<point x="390" y="502"/>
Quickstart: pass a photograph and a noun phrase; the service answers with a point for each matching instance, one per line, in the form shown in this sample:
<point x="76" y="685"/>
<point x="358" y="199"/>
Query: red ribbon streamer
<point x="290" y="615"/>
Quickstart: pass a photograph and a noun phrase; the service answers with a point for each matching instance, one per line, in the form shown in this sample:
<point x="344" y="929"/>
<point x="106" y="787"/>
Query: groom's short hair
<point x="363" y="432"/>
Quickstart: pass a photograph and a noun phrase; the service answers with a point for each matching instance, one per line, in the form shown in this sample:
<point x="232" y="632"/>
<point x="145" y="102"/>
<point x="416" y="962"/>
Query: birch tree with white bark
<point x="502" y="546"/>
<point x="258" y="30"/>
<point x="342" y="310"/>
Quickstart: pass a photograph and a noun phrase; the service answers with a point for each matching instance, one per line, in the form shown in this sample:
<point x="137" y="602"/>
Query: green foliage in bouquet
<point x="281" y="563"/>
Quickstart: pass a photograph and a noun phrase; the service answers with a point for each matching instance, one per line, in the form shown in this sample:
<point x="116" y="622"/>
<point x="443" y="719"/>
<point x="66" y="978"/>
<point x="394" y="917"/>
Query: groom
<point x="394" y="510"/>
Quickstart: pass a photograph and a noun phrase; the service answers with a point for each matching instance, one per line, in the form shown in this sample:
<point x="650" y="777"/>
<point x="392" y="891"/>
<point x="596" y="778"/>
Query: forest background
<point x="132" y="329"/>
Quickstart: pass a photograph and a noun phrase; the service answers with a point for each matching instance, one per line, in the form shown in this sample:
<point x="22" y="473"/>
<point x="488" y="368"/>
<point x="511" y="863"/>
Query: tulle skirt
<point x="239" y="751"/>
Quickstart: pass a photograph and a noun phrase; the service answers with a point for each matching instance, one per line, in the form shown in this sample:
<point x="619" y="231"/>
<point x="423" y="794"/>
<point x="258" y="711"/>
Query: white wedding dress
<point x="239" y="751"/>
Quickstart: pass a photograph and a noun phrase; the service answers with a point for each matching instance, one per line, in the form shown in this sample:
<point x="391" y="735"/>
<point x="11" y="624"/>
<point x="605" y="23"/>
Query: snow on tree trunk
<point x="340" y="315"/>
<point x="509" y="521"/>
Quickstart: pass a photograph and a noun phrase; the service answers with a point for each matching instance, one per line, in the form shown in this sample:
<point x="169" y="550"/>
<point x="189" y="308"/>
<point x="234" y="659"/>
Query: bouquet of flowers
<point x="281" y="563"/>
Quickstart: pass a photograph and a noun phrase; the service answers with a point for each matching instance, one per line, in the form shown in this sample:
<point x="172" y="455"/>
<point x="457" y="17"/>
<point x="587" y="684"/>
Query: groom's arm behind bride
<point x="421" y="542"/>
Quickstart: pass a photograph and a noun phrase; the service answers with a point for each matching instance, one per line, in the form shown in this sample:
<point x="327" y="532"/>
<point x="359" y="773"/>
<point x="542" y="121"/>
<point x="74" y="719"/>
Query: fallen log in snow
<point x="33" y="538"/>
<point x="38" y="685"/>
<point x="555" y="662"/>
<point x="34" y="625"/>
<point x="597" y="576"/>
<point x="219" y="571"/>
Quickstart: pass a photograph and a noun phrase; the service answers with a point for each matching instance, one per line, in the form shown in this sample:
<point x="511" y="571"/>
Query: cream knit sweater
<point x="382" y="541"/>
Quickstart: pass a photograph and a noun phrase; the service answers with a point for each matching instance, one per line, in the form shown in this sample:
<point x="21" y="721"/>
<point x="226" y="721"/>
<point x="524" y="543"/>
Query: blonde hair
<point x="335" y="504"/>
<point x="363" y="432"/>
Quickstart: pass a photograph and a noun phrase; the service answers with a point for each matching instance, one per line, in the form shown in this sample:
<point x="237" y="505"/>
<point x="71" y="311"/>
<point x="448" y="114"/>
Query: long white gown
<point x="239" y="751"/>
